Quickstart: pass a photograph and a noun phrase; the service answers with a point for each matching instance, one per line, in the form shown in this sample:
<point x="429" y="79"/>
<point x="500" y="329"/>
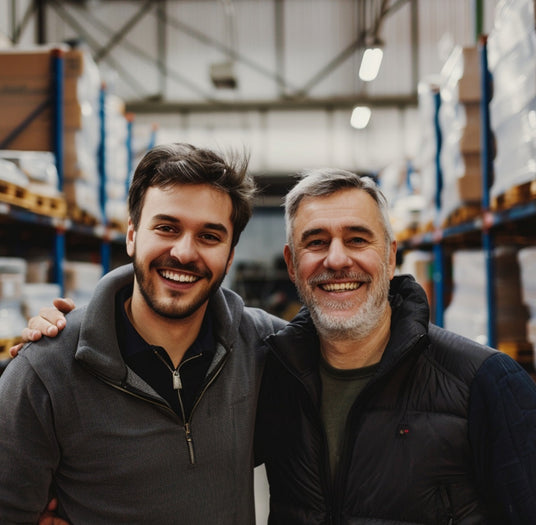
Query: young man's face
<point x="181" y="248"/>
<point x="342" y="263"/>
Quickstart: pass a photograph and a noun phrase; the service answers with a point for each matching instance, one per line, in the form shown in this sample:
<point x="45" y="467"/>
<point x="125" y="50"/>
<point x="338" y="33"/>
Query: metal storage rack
<point x="485" y="228"/>
<point x="64" y="228"/>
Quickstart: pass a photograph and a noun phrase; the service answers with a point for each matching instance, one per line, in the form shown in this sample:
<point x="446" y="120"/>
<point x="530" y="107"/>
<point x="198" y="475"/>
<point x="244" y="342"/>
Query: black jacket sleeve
<point x="502" y="432"/>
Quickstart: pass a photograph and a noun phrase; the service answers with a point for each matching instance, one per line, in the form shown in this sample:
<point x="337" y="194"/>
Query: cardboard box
<point x="36" y="62"/>
<point x="469" y="89"/>
<point x="472" y="163"/>
<point x="26" y="88"/>
<point x="470" y="141"/>
<point x="470" y="188"/>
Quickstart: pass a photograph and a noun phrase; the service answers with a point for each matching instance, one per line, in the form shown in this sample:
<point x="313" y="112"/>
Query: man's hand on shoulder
<point x="50" y="322"/>
<point x="48" y="517"/>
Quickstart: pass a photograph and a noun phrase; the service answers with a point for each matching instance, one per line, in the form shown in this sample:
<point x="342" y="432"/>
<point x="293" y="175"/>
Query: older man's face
<point x="341" y="262"/>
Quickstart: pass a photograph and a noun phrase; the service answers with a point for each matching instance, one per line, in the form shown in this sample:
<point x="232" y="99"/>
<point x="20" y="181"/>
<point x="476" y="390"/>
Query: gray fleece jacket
<point x="76" y="421"/>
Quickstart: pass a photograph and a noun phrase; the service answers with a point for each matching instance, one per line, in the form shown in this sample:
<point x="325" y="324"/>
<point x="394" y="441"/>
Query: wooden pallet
<point x="6" y="344"/>
<point x="118" y="226"/>
<point x="465" y="213"/>
<point x="49" y="206"/>
<point x="14" y="194"/>
<point x="80" y="216"/>
<point x="521" y="351"/>
<point x="406" y="233"/>
<point x="41" y="204"/>
<point x="515" y="195"/>
<point x="425" y="228"/>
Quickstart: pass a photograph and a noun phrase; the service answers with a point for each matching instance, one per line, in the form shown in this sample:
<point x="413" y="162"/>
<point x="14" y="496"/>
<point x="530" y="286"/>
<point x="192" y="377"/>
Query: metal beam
<point x="148" y="107"/>
<point x="40" y="25"/>
<point x="17" y="30"/>
<point x="135" y="50"/>
<point x="118" y="36"/>
<point x="161" y="31"/>
<point x="231" y="53"/>
<point x="358" y="43"/>
<point x="92" y="43"/>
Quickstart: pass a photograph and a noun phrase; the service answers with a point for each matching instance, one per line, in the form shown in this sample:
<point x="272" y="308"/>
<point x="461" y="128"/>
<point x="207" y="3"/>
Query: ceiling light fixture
<point x="360" y="117"/>
<point x="370" y="63"/>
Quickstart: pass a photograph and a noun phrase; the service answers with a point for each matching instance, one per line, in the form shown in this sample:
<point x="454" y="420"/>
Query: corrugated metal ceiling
<point x="282" y="53"/>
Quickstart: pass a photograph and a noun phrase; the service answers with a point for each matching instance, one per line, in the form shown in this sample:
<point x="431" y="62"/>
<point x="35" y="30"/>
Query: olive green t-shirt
<point x="340" y="389"/>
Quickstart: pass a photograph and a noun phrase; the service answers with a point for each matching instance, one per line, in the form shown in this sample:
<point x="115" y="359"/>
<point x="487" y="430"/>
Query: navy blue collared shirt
<point x="142" y="358"/>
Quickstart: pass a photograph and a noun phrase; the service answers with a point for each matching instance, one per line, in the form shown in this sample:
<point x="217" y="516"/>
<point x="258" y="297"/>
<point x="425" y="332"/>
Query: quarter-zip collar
<point x="103" y="355"/>
<point x="154" y="366"/>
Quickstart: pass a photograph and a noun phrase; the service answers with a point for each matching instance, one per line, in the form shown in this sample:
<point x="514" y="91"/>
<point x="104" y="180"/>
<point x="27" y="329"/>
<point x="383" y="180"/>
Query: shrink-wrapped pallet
<point x="511" y="51"/>
<point x="459" y="118"/>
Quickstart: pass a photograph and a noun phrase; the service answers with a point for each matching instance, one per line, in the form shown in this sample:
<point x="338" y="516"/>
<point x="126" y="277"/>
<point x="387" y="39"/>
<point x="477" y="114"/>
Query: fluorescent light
<point x="370" y="64"/>
<point x="360" y="117"/>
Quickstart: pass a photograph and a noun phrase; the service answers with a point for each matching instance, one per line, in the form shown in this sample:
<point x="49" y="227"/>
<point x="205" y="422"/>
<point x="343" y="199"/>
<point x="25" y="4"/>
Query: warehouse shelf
<point x="62" y="231"/>
<point x="490" y="228"/>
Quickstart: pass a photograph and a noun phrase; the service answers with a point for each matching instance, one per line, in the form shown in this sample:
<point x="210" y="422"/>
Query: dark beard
<point x="165" y="312"/>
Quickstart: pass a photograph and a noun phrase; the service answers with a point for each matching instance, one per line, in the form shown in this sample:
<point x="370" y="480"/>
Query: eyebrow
<point x="351" y="229"/>
<point x="217" y="226"/>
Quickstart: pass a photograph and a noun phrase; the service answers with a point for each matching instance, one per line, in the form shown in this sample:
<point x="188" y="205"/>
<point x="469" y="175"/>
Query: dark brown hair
<point x="179" y="163"/>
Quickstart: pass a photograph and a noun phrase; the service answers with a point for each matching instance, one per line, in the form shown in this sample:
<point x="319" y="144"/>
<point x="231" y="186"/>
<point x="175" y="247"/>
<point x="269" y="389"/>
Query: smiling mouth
<point x="340" y="287"/>
<point x="178" y="277"/>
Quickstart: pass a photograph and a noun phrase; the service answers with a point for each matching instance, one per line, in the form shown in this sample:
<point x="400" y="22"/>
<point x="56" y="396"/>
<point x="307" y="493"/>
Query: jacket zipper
<point x="333" y="509"/>
<point x="341" y="474"/>
<point x="188" y="424"/>
<point x="445" y="501"/>
<point x="326" y="476"/>
<point x="177" y="385"/>
<point x="124" y="387"/>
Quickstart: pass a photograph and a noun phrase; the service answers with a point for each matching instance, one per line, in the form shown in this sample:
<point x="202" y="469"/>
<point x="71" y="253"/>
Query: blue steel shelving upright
<point x="105" y="248"/>
<point x="486" y="163"/>
<point x="438" y="272"/>
<point x="57" y="131"/>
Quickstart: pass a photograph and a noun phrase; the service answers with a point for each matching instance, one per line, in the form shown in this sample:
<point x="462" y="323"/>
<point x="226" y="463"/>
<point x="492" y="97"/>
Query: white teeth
<point x="338" y="287"/>
<point x="178" y="277"/>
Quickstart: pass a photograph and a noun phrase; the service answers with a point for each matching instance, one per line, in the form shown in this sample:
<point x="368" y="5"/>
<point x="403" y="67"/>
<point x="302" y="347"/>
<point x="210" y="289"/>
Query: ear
<point x="392" y="259"/>
<point x="130" y="238"/>
<point x="287" y="254"/>
<point x="229" y="261"/>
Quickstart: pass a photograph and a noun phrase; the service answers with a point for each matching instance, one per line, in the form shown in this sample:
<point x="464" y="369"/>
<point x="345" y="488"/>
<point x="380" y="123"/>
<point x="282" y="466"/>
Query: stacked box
<point x="527" y="265"/>
<point x="27" y="88"/>
<point x="460" y="117"/>
<point x="396" y="181"/>
<point x="424" y="163"/>
<point x="12" y="276"/>
<point x="80" y="280"/>
<point x="117" y="152"/>
<point x="511" y="51"/>
<point x="467" y="311"/>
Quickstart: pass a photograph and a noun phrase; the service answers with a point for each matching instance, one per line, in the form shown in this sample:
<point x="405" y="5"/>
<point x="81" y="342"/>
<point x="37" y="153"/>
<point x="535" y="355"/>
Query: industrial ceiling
<point x="212" y="55"/>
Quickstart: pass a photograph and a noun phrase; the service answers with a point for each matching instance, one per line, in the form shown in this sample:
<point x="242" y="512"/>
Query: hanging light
<point x="370" y="63"/>
<point x="360" y="117"/>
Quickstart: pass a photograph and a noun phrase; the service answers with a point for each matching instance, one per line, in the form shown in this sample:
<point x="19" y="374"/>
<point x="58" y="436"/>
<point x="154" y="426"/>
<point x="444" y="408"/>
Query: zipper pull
<point x="177" y="383"/>
<point x="189" y="442"/>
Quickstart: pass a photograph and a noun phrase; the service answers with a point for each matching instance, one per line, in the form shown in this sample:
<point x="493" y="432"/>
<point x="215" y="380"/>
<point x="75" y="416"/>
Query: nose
<point x="184" y="249"/>
<point x="337" y="256"/>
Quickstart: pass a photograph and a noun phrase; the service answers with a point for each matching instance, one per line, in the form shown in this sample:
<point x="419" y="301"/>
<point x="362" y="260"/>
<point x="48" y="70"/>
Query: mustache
<point x="342" y="276"/>
<point x="170" y="262"/>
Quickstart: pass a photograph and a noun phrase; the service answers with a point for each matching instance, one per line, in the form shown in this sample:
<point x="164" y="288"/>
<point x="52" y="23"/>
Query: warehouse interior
<point x="450" y="138"/>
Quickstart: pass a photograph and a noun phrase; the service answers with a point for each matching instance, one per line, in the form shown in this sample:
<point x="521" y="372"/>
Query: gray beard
<point x="357" y="327"/>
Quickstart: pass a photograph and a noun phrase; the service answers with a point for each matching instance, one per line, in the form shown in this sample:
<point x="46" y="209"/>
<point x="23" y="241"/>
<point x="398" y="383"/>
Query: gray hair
<point x="326" y="181"/>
